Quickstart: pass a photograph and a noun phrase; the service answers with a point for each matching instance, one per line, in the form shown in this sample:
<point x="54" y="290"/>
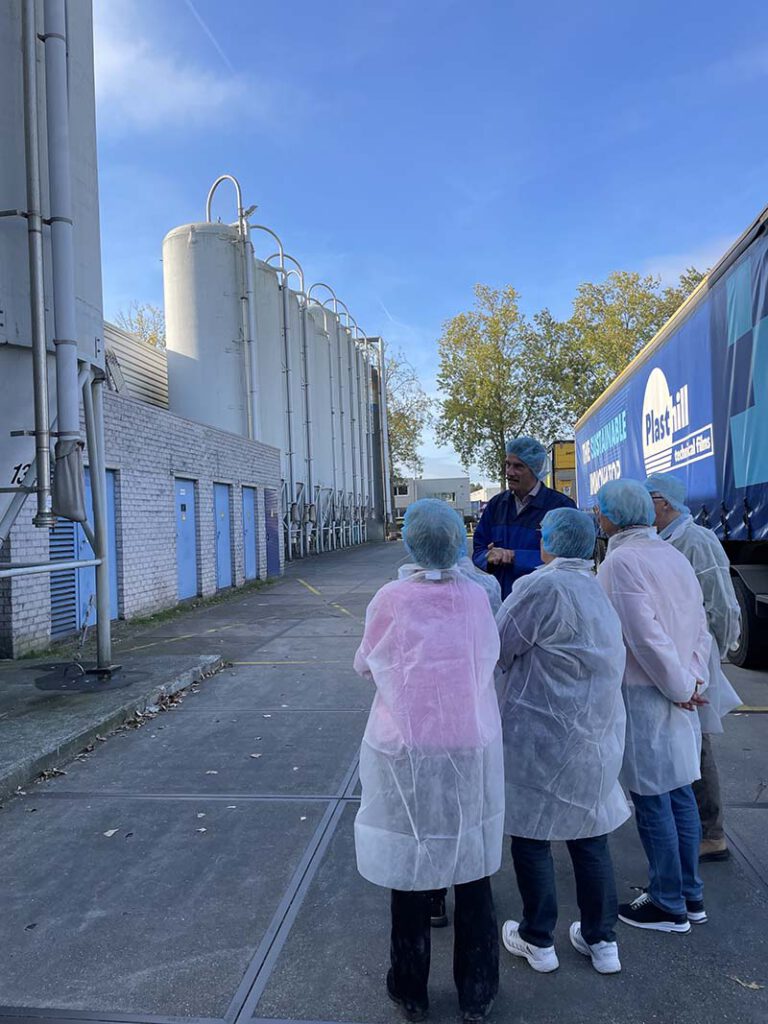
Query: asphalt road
<point x="201" y="867"/>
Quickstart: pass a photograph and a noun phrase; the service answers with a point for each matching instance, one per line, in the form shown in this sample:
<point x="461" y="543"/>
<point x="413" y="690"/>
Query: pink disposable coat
<point x="431" y="764"/>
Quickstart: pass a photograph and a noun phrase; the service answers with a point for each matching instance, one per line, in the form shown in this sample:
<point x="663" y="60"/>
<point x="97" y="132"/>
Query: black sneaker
<point x="438" y="917"/>
<point x="410" y="1011"/>
<point x="643" y="913"/>
<point x="696" y="912"/>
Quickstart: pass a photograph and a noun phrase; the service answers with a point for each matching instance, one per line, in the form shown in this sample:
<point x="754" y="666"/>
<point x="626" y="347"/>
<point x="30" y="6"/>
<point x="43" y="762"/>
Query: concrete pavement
<point x="202" y="867"/>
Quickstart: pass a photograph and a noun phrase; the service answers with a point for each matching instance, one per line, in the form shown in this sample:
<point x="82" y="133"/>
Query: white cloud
<point x="143" y="84"/>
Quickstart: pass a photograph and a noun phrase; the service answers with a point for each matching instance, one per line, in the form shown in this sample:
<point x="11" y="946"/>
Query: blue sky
<point x="406" y="150"/>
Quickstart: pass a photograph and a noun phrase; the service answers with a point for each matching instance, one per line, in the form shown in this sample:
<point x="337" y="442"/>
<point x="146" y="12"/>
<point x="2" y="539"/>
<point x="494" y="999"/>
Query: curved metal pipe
<point x="322" y="284"/>
<point x="212" y="190"/>
<point x="272" y="234"/>
<point x="299" y="271"/>
<point x="247" y="299"/>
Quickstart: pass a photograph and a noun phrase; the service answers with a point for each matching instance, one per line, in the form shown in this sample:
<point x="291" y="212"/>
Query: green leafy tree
<point x="491" y="362"/>
<point x="610" y="323"/>
<point x="145" y="321"/>
<point x="409" y="413"/>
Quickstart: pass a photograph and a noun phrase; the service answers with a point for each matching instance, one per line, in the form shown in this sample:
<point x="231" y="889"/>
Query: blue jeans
<point x="670" y="831"/>
<point x="595" y="888"/>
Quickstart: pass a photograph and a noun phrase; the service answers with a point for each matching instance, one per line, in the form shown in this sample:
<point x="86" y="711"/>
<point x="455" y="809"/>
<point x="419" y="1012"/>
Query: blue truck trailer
<point x="694" y="403"/>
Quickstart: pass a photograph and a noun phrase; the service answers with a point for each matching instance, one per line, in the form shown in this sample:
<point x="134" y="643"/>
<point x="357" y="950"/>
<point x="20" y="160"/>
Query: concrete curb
<point x="27" y="769"/>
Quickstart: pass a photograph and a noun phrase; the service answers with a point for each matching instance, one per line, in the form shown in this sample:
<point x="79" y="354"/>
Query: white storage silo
<point x="269" y="359"/>
<point x="207" y="379"/>
<point x="320" y="398"/>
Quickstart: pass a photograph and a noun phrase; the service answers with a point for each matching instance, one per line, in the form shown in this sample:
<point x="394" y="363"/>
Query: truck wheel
<point x="752" y="651"/>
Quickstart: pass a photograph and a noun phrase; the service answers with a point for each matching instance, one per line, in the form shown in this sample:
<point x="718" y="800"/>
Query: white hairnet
<point x="626" y="503"/>
<point x="568" y="533"/>
<point x="671" y="489"/>
<point x="530" y="451"/>
<point x="431" y="763"/>
<point x="562" y="709"/>
<point x="433" y="533"/>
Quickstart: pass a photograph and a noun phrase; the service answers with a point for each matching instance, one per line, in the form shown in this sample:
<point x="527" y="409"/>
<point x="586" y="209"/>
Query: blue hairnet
<point x="432" y="533"/>
<point x="626" y="503"/>
<point x="530" y="451"/>
<point x="568" y="533"/>
<point x="672" y="490"/>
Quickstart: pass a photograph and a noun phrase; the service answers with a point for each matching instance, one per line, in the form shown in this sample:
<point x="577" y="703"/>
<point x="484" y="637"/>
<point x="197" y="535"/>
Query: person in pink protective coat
<point x="431" y="763"/>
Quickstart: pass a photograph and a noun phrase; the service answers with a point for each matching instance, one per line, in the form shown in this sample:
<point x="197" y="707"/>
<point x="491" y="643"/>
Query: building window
<point x="447" y="496"/>
<point x="401" y="490"/>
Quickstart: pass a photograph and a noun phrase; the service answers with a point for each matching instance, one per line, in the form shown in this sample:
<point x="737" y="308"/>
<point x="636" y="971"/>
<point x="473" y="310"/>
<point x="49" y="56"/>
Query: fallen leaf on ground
<point x="201" y="814"/>
<point x="751" y="985"/>
<point x="202" y="830"/>
<point x="110" y="832"/>
<point x="255" y="755"/>
<point x="209" y="772"/>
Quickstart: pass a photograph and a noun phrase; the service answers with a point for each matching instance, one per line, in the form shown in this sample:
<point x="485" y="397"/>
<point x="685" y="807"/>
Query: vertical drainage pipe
<point x="369" y="423"/>
<point x="62" y="241"/>
<point x="385" y="436"/>
<point x="44" y="516"/>
<point x="361" y="443"/>
<point x="352" y="428"/>
<point x="342" y="431"/>
<point x="94" y="429"/>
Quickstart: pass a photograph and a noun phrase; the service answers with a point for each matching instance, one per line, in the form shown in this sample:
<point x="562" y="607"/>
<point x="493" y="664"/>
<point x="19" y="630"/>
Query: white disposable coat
<point x="489" y="583"/>
<point x="710" y="563"/>
<point x="431" y="764"/>
<point x="562" y="710"/>
<point x="658" y="600"/>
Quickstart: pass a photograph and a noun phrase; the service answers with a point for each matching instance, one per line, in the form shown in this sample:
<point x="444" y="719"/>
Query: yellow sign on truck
<point x="561" y="468"/>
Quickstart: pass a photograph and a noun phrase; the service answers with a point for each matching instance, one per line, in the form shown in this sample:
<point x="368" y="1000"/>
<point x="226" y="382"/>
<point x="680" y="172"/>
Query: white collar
<point x="631" y="535"/>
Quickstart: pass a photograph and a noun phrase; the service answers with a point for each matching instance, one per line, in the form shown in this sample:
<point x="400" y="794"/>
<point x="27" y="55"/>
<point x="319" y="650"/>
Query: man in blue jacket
<point x="507" y="538"/>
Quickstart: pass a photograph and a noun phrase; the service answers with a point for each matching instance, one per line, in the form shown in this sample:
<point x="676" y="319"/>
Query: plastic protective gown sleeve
<point x="562" y="709"/>
<point x="710" y="563"/>
<point x="489" y="583"/>
<point x="653" y="648"/>
<point x="431" y="762"/>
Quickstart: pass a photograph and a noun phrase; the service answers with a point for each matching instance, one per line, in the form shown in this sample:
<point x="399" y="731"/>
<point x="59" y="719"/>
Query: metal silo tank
<point x="207" y="379"/>
<point x="318" y="349"/>
<point x="269" y="347"/>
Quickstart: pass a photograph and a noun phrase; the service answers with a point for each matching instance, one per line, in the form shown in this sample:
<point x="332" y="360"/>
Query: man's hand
<point x="500" y="556"/>
<point x="696" y="701"/>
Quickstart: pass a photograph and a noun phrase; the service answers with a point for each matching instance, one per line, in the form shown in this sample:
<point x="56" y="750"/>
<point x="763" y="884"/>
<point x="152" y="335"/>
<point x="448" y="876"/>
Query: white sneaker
<point x="542" y="959"/>
<point x="604" y="955"/>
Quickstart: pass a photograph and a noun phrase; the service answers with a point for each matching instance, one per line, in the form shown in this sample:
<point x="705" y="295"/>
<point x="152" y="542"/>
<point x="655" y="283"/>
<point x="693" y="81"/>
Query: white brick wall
<point x="148" y="448"/>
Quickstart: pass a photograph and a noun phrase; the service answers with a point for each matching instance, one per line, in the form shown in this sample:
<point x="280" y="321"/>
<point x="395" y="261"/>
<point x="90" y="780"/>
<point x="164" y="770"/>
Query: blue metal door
<point x="250" y="546"/>
<point x="223" y="536"/>
<point x="272" y="516"/>
<point x="186" y="539"/>
<point x="86" y="578"/>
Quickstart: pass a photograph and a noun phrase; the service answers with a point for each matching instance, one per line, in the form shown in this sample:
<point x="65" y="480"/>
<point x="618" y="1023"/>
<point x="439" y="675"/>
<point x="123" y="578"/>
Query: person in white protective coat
<point x="467" y="568"/>
<point x="658" y="599"/>
<point x="710" y="563"/>
<point x="563" y="722"/>
<point x="431" y="763"/>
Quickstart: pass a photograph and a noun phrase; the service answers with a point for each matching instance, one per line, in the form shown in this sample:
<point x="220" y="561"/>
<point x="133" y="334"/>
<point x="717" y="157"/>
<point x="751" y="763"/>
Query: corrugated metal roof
<point x="144" y="367"/>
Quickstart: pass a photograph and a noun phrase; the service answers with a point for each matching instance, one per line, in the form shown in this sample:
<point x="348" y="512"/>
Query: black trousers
<point x="475" y="946"/>
<point x="595" y="888"/>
